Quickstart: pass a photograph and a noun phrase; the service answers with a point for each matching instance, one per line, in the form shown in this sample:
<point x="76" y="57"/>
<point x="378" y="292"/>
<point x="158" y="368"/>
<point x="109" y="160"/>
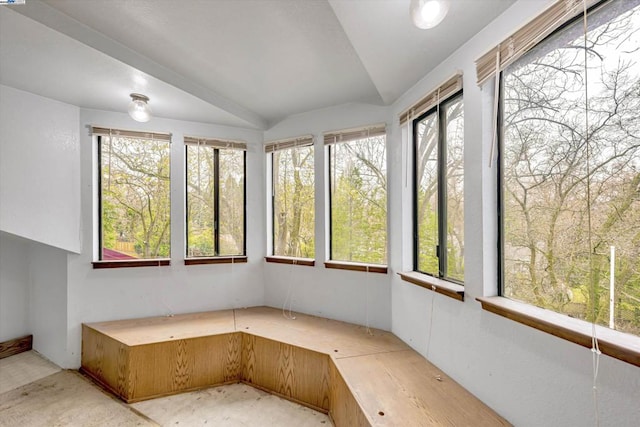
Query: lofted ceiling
<point x="247" y="63"/>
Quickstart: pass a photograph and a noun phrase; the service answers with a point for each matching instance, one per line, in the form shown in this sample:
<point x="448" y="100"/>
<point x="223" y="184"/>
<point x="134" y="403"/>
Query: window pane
<point x="232" y="202"/>
<point x="293" y="203"/>
<point x="202" y="205"/>
<point x="427" y="194"/>
<point x="135" y="198"/>
<point x="359" y="201"/>
<point x="200" y="197"/>
<point x="557" y="240"/>
<point x="455" y="189"/>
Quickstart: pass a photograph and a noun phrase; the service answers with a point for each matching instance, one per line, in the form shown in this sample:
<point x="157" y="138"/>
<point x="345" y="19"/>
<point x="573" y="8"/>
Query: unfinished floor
<point x="35" y="392"/>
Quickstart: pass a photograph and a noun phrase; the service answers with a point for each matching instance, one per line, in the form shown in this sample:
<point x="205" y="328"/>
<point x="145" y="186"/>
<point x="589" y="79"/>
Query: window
<point x="134" y="195"/>
<point x="292" y="195"/>
<point x="215" y="197"/>
<point x="570" y="177"/>
<point x="439" y="191"/>
<point x="358" y="195"/>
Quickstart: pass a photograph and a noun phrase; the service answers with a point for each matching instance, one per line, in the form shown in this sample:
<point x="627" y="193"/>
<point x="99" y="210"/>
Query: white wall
<point x="39" y="169"/>
<point x="14" y="287"/>
<point x="351" y="296"/>
<point x="529" y="377"/>
<point x="107" y="294"/>
<point x="33" y="294"/>
<point x="48" y="301"/>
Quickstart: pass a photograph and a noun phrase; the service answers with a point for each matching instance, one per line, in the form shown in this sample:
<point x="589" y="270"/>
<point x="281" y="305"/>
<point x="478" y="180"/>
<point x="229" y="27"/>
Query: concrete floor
<point x="35" y="392"/>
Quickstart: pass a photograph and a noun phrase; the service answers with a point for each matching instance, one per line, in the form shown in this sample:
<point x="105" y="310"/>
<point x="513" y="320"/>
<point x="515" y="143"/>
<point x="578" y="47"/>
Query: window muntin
<point x="439" y="191"/>
<point x="358" y="200"/>
<point x="215" y="201"/>
<point x="134" y="196"/>
<point x="293" y="205"/>
<point x="566" y="200"/>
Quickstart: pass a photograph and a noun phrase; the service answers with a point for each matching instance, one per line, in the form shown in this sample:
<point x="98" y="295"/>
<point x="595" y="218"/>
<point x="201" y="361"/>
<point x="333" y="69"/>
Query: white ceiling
<point x="241" y="63"/>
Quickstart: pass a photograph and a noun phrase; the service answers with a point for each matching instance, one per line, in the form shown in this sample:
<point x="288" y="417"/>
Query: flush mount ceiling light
<point x="428" y="13"/>
<point x="138" y="108"/>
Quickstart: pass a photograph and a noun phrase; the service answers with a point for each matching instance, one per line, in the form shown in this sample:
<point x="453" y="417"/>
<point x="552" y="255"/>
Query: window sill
<point x="132" y="263"/>
<point x="216" y="260"/>
<point x="290" y="260"/>
<point x="619" y="345"/>
<point x="356" y="266"/>
<point x="449" y="289"/>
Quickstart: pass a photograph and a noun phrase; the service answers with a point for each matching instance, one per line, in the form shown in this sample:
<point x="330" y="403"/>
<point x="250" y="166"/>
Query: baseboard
<point x="15" y="346"/>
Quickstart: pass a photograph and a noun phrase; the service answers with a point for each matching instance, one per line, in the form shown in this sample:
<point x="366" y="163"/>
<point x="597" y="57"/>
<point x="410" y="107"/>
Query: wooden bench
<point x="359" y="377"/>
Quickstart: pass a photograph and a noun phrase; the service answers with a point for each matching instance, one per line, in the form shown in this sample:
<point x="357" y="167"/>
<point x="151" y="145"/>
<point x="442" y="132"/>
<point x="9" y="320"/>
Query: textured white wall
<point x="531" y="378"/>
<point x="107" y="294"/>
<point x="33" y="294"/>
<point x="39" y="169"/>
<point x="14" y="287"/>
<point x="350" y="296"/>
<point x="48" y="301"/>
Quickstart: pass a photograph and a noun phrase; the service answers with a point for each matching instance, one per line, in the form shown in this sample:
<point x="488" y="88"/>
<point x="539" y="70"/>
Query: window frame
<point x="98" y="262"/>
<point x="441" y="249"/>
<point x="216" y="258"/>
<point x="614" y="343"/>
<point x="332" y="263"/>
<point x="304" y="142"/>
<point x="592" y="5"/>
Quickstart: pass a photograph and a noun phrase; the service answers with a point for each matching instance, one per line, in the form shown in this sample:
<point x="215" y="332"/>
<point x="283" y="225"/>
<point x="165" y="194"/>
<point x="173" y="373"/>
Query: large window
<point x="215" y="197"/>
<point x="439" y="191"/>
<point x="292" y="195"/>
<point x="570" y="171"/>
<point x="358" y="195"/>
<point x="134" y="195"/>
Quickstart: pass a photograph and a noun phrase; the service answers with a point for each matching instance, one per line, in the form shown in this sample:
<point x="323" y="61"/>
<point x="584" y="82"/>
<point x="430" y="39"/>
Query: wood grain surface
<point x="176" y="366"/>
<point x="339" y="339"/>
<point x="151" y="330"/>
<point x="293" y="372"/>
<point x="410" y="391"/>
<point x="344" y="409"/>
<point x="360" y="377"/>
<point x="16" y="346"/>
<point x="106" y="360"/>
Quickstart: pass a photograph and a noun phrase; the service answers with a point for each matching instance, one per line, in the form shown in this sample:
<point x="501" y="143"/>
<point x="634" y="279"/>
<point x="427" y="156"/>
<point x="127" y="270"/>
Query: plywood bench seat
<point x="360" y="377"/>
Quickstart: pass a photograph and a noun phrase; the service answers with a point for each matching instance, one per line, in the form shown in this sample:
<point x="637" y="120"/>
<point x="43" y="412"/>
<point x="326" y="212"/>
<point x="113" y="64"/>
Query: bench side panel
<point x="292" y="372"/>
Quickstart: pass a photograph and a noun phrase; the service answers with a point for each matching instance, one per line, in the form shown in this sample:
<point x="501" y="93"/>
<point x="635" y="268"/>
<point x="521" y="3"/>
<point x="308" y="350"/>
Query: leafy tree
<point x="427" y="160"/>
<point x="232" y="202"/>
<point x="293" y="203"/>
<point x="201" y="201"/>
<point x="359" y="201"/>
<point x="571" y="178"/>
<point x="135" y="196"/>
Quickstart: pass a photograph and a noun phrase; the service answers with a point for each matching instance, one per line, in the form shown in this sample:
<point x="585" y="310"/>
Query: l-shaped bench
<point x="360" y="377"/>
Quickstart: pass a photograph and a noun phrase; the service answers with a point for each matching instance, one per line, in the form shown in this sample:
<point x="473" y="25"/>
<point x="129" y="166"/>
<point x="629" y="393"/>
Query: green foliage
<point x="427" y="242"/>
<point x="435" y="163"/>
<point x="359" y="201"/>
<point x="201" y="196"/>
<point x="293" y="202"/>
<point x="232" y="202"/>
<point x="109" y="217"/>
<point x="135" y="191"/>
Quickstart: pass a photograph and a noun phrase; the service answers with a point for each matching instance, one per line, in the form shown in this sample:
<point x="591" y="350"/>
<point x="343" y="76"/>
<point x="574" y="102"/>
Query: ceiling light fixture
<point x="138" y="108"/>
<point x="428" y="13"/>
